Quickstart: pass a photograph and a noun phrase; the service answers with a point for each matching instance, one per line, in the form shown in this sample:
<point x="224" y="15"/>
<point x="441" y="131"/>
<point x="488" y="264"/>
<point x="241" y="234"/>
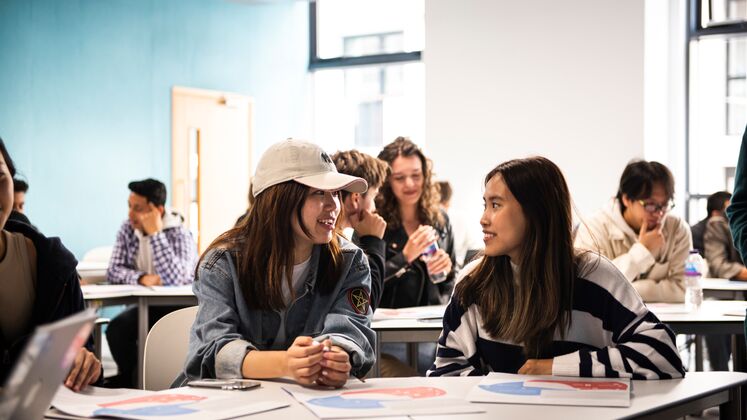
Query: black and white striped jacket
<point x="612" y="334"/>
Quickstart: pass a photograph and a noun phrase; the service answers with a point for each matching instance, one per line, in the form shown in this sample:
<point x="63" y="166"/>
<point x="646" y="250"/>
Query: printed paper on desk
<point x="381" y="397"/>
<point x="553" y="390"/>
<point x="181" y="403"/>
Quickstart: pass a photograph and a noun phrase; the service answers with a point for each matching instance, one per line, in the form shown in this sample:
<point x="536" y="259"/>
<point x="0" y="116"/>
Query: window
<point x="368" y="77"/>
<point x="722" y="12"/>
<point x="736" y="77"/>
<point x="717" y="98"/>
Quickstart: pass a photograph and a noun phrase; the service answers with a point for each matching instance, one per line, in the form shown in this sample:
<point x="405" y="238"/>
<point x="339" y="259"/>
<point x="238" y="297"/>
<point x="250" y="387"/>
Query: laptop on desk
<point x="44" y="363"/>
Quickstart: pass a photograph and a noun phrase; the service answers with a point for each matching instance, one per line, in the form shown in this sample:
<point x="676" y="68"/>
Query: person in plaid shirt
<point x="153" y="248"/>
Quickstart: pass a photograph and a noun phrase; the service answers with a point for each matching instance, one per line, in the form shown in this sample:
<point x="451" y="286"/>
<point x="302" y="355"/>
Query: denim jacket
<point x="225" y="328"/>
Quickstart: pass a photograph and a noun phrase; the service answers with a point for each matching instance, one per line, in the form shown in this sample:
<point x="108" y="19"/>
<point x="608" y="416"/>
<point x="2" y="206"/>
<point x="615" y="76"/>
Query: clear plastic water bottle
<point x="427" y="255"/>
<point x="694" y="267"/>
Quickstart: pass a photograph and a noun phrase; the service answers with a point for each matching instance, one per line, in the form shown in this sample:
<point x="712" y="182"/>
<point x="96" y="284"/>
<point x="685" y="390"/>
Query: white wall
<point x="508" y="79"/>
<point x="664" y="89"/>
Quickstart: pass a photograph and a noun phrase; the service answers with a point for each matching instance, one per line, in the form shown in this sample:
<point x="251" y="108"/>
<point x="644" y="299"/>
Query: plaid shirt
<point x="174" y="256"/>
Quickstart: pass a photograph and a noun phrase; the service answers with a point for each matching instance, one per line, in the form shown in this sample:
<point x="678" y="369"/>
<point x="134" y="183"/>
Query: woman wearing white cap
<point x="282" y="294"/>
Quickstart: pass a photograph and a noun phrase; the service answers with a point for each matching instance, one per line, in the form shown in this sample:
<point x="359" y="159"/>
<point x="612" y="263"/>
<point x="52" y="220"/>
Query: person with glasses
<point x="639" y="234"/>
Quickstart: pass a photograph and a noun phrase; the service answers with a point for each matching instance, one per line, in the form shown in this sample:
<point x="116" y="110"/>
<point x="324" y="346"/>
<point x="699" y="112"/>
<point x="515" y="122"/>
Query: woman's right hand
<point x="303" y="358"/>
<point x="418" y="242"/>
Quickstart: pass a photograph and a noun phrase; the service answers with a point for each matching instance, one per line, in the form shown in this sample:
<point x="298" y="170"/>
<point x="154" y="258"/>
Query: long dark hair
<point x="529" y="310"/>
<point x="8" y="161"/>
<point x="263" y="243"/>
<point x="428" y="206"/>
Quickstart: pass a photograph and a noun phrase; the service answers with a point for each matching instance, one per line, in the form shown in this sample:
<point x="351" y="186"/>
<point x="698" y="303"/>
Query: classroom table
<point x="666" y="399"/>
<point x="724" y="288"/>
<point x="714" y="317"/>
<point x="142" y="296"/>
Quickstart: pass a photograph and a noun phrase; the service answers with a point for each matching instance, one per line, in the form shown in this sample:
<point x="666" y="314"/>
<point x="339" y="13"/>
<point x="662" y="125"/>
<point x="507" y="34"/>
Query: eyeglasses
<point x="655" y="208"/>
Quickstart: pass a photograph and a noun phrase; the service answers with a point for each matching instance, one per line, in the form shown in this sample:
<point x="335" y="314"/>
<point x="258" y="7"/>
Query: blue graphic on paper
<point x="154" y="410"/>
<point x="344" y="400"/>
<point x="339" y="402"/>
<point x="513" y="388"/>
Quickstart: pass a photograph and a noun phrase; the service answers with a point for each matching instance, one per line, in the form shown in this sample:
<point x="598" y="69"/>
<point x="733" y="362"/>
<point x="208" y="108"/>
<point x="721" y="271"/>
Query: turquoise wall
<point x="85" y="103"/>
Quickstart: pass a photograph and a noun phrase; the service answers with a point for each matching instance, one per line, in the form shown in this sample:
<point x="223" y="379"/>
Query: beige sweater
<point x="657" y="278"/>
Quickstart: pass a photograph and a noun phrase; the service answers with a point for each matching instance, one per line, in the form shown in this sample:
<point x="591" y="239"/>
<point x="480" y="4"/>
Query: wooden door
<point x="211" y="159"/>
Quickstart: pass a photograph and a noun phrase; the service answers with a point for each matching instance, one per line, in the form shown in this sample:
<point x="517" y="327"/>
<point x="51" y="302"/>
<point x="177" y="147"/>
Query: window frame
<point x="315" y="62"/>
<point x="696" y="31"/>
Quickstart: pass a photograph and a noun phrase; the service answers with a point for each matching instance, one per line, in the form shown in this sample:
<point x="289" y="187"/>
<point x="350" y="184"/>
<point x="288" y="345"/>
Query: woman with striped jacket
<point x="535" y="305"/>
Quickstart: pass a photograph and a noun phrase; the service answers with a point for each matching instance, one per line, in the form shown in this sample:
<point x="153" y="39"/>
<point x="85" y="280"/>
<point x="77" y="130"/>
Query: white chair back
<point x="100" y="254"/>
<point x="166" y="348"/>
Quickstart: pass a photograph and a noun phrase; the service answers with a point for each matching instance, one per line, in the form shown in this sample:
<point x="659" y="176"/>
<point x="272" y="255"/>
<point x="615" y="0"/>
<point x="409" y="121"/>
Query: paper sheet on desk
<point x="92" y="290"/>
<point x="419" y="312"/>
<point x="166" y="290"/>
<point x="553" y="390"/>
<point x="181" y="403"/>
<point x="384" y="397"/>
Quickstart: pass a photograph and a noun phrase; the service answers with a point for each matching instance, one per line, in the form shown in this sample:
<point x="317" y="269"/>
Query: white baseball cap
<point x="305" y="163"/>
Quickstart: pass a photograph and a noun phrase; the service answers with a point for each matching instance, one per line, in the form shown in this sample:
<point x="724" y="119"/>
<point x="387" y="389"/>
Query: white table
<point x="724" y="288"/>
<point x="714" y="317"/>
<point x="710" y="319"/>
<point x="667" y="399"/>
<point x="143" y="297"/>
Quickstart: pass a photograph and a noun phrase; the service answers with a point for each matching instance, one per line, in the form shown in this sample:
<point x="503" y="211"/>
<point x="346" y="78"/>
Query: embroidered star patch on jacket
<point x="359" y="300"/>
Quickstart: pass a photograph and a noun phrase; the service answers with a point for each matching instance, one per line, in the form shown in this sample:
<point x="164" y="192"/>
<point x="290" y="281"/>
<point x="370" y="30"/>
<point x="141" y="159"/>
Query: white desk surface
<point x="712" y="311"/>
<point x="108" y="291"/>
<point x="648" y="397"/>
<point x="724" y="284"/>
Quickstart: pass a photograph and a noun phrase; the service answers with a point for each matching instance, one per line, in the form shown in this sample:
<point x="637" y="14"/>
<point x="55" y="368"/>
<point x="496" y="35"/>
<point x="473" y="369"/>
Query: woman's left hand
<point x="335" y="366"/>
<point x="536" y="367"/>
<point x="439" y="262"/>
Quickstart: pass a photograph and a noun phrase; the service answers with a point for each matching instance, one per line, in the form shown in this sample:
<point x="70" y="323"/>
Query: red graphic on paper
<point x="583" y="385"/>
<point x="412" y="392"/>
<point x="161" y="399"/>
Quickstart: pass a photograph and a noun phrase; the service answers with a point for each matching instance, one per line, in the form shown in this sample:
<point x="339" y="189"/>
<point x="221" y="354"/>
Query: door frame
<point x="180" y="157"/>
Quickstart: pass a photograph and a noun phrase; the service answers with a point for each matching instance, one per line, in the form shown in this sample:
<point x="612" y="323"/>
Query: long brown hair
<point x="428" y="206"/>
<point x="263" y="243"/>
<point x="529" y="310"/>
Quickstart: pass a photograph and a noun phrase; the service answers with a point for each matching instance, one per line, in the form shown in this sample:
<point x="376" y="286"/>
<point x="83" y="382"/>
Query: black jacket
<point x="375" y="250"/>
<point x="408" y="285"/>
<point x="20" y="217"/>
<point x="698" y="230"/>
<point x="58" y="292"/>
